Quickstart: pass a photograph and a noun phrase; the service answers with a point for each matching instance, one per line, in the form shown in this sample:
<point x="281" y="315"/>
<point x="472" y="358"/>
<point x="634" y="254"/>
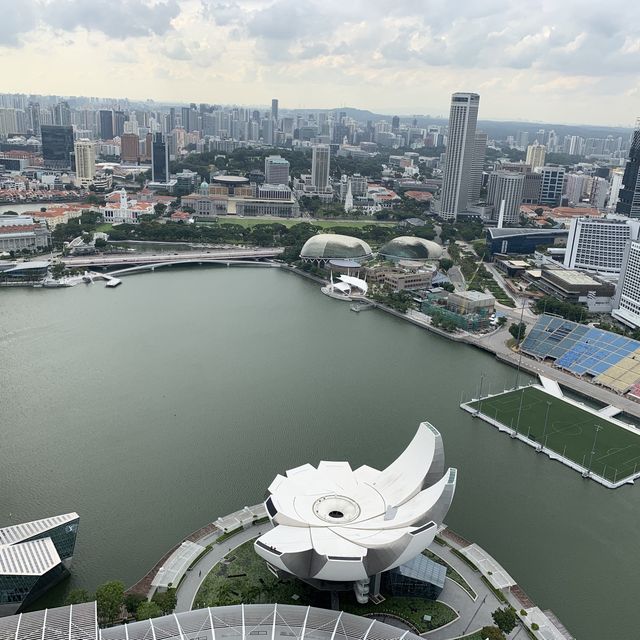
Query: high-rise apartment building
<point x="629" y="196"/>
<point x="274" y="110"/>
<point x="535" y="155"/>
<point x="477" y="165"/>
<point x="575" y="187"/>
<point x="463" y="117"/>
<point x="119" y="118"/>
<point x="599" y="191"/>
<point x="159" y="159"/>
<point x="106" y="124"/>
<point x="276" y="170"/>
<point x="85" y="151"/>
<point x="626" y="306"/>
<point x="57" y="146"/>
<point x="62" y="114"/>
<point x="320" y="165"/>
<point x="504" y="192"/>
<point x="551" y="187"/>
<point x="598" y="244"/>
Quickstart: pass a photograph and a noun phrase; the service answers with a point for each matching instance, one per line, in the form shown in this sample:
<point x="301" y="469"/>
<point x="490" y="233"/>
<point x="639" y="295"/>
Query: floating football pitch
<point x="567" y="430"/>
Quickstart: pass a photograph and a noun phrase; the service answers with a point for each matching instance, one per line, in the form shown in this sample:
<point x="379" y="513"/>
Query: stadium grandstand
<point x="606" y="358"/>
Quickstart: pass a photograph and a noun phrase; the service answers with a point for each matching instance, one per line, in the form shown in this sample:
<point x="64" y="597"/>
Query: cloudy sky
<point x="552" y="60"/>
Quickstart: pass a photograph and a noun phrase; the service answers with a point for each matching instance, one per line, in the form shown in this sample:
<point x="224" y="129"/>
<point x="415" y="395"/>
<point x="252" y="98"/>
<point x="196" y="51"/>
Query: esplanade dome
<point x="411" y="248"/>
<point x="330" y="246"/>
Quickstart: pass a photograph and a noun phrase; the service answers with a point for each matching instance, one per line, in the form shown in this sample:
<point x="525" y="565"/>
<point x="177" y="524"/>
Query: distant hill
<point x="494" y="128"/>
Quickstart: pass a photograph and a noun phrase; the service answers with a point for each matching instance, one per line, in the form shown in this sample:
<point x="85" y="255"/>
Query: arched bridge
<point x="128" y="262"/>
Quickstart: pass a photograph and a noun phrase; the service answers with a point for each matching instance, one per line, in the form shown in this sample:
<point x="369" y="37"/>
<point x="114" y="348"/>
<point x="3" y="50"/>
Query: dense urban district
<point x="522" y="240"/>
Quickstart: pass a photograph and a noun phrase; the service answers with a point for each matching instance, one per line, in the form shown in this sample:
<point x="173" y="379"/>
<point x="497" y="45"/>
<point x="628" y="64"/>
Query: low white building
<point x="119" y="208"/>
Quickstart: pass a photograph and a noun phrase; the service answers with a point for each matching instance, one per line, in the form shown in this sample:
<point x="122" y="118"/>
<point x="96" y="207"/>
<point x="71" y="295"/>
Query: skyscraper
<point x="119" y="119"/>
<point x="106" y="124"/>
<point x="629" y="195"/>
<point x="159" y="159"/>
<point x="506" y="186"/>
<point x="62" y="114"/>
<point x="320" y="164"/>
<point x="459" y="156"/>
<point x="627" y="299"/>
<point x="57" y="146"/>
<point x="536" y="154"/>
<point x="477" y="165"/>
<point x="129" y="147"/>
<point x="551" y="187"/>
<point x="274" y="110"/>
<point x="85" y="161"/>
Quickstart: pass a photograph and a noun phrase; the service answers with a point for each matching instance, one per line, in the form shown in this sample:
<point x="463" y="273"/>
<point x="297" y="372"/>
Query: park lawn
<point x="409" y="609"/>
<point x="567" y="430"/>
<point x="290" y="222"/>
<point x="244" y="578"/>
<point x="105" y="227"/>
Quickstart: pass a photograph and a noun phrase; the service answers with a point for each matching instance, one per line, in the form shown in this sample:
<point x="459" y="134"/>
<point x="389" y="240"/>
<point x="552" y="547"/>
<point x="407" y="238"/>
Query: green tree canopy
<point x="110" y="598"/>
<point x="518" y="330"/>
<point x="166" y="600"/>
<point x="505" y="619"/>
<point x="148" y="610"/>
<point x="78" y="596"/>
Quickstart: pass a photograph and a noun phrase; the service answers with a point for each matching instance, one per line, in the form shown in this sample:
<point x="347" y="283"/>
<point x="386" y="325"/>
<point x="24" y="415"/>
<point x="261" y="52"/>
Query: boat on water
<point x="347" y="288"/>
<point x="113" y="282"/>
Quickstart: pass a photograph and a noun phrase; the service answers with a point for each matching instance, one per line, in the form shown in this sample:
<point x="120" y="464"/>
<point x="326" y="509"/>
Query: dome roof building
<point x="333" y="246"/>
<point x="411" y="248"/>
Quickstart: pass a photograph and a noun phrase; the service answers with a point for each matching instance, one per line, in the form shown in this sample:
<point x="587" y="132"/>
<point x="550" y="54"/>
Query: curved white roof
<point x="335" y="245"/>
<point x="335" y="523"/>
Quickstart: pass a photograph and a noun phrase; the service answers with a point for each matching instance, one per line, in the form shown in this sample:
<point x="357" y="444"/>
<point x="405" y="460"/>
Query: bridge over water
<point x="127" y="261"/>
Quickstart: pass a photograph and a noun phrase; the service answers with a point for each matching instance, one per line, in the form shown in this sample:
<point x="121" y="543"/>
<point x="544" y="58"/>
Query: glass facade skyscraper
<point x="57" y="146"/>
<point x="629" y="194"/>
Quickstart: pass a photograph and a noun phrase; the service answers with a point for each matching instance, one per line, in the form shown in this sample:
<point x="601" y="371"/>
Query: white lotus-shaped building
<point x="333" y="524"/>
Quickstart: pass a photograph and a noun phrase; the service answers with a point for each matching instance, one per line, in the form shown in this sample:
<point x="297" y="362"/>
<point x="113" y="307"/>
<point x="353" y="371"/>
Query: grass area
<point x="567" y="430"/>
<point x="290" y="222"/>
<point x="410" y="609"/>
<point x="243" y="577"/>
<point x="105" y="227"/>
<point x="451" y="572"/>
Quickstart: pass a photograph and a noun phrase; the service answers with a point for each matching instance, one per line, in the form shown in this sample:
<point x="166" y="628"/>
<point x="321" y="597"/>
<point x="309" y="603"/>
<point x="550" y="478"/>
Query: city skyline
<point x="405" y="59"/>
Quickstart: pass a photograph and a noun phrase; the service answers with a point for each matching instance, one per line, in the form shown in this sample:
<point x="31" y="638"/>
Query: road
<point x="190" y="256"/>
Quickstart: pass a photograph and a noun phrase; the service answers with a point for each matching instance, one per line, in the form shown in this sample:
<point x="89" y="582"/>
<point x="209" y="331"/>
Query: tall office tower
<point x="535" y="155"/>
<point x="459" y="155"/>
<point x="186" y="119"/>
<point x="85" y="161"/>
<point x="576" y="187"/>
<point x="507" y="187"/>
<point x="477" y="165"/>
<point x="129" y="147"/>
<point x="551" y="187"/>
<point x="599" y="191"/>
<point x="629" y="195"/>
<point x="62" y="114"/>
<point x="106" y="124"/>
<point x="598" y="244"/>
<point x="522" y="139"/>
<point x="159" y="159"/>
<point x="172" y="122"/>
<point x="119" y="118"/>
<point x="276" y="170"/>
<point x="627" y="298"/>
<point x="57" y="146"/>
<point x="614" y="189"/>
<point x="320" y="164"/>
<point x="274" y="110"/>
<point x="395" y="124"/>
<point x="267" y="130"/>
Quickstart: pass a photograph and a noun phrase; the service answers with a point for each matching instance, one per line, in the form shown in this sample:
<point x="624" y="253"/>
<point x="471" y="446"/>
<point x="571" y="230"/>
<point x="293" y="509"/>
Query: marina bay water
<point x="156" y="407"/>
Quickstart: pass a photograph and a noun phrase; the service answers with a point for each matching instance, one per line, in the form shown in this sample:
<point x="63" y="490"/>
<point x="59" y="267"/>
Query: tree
<point x="491" y="633"/>
<point x="57" y="270"/>
<point x="148" y="610"/>
<point x="446" y="264"/>
<point x="159" y="208"/>
<point x="109" y="598"/>
<point x="518" y="330"/>
<point x="132" y="601"/>
<point x="78" y="596"/>
<point x="448" y="286"/>
<point x="100" y="243"/>
<point x="505" y="619"/>
<point x="502" y="320"/>
<point x="166" y="600"/>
